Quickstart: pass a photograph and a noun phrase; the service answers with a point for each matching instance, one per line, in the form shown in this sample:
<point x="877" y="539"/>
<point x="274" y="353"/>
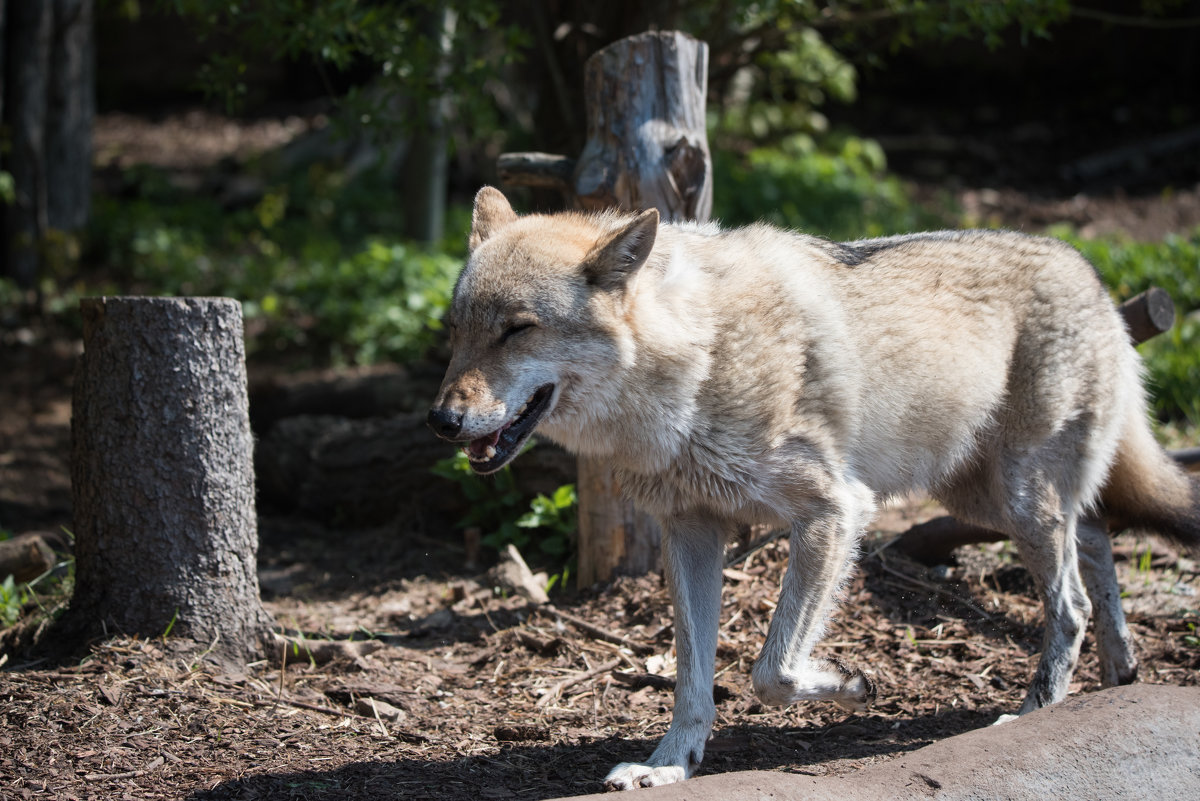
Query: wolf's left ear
<point x="492" y="212"/>
<point x="614" y="259"/>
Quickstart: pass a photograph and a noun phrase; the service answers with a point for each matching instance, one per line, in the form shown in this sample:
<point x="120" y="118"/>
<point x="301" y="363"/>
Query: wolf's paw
<point x="857" y="691"/>
<point x="1004" y="719"/>
<point x="630" y="775"/>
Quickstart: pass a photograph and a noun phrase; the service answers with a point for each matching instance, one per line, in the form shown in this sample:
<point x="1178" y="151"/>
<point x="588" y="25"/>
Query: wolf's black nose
<point x="444" y="422"/>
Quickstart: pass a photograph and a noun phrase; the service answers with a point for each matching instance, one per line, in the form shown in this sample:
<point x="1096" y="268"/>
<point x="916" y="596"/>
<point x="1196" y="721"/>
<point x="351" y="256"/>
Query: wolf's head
<point x="535" y="324"/>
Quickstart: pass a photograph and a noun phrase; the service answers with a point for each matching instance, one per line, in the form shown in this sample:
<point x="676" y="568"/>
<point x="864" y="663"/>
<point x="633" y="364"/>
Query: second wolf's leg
<point x="1114" y="645"/>
<point x="692" y="559"/>
<point x="821" y="555"/>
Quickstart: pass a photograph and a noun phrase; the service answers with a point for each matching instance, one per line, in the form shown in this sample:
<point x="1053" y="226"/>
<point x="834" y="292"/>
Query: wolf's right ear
<point x="492" y="212"/>
<point x="614" y="259"/>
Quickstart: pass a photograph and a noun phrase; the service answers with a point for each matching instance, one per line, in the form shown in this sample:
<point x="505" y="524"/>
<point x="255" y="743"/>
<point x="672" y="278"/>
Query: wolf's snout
<point x="445" y="422"/>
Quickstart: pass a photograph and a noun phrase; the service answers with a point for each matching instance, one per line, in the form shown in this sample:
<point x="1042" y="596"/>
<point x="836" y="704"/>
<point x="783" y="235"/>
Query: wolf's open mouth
<point x="489" y="453"/>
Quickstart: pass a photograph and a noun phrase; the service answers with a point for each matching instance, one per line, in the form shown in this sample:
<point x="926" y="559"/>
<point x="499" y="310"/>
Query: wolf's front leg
<point x="692" y="558"/>
<point x="822" y="550"/>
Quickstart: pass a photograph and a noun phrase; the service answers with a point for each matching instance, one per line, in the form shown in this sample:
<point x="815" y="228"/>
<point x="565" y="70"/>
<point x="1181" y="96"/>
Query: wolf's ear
<point x="492" y="212"/>
<point x="614" y="259"/>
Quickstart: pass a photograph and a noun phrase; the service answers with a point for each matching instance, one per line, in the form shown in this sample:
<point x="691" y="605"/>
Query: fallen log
<point x="1137" y="741"/>
<point x="368" y="472"/>
<point x="25" y="557"/>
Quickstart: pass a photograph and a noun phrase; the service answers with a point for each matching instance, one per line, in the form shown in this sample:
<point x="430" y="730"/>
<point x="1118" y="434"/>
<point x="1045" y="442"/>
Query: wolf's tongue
<point x="479" y="446"/>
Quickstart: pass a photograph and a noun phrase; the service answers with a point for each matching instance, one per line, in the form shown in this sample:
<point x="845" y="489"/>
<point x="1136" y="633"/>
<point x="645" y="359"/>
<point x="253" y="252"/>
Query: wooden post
<point x="647" y="147"/>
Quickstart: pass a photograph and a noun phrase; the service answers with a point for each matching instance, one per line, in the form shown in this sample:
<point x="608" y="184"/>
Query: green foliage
<point x="1128" y="267"/>
<point x="555" y="516"/>
<point x="790" y="56"/>
<point x="306" y="261"/>
<point x="839" y="190"/>
<point x="1191" y="640"/>
<point x="402" y="43"/>
<point x="12" y="598"/>
<point x="498" y="508"/>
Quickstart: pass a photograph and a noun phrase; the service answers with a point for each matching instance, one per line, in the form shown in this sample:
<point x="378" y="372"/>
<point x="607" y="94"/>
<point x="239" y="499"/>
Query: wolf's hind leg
<point x="692" y="558"/>
<point x="821" y="554"/>
<point x="1114" y="645"/>
<point x="1047" y="547"/>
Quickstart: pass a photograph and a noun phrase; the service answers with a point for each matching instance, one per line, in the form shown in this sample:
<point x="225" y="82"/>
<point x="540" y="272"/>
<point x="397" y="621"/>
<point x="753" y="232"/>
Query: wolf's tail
<point x="1146" y="489"/>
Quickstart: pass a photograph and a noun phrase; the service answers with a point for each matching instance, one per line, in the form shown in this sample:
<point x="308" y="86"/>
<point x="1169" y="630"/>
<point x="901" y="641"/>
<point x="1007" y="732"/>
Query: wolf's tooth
<point x="521" y="411"/>
<point x="490" y="452"/>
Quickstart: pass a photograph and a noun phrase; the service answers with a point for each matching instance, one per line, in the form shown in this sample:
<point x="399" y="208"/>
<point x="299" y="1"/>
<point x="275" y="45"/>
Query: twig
<point x="602" y="634"/>
<point x="313" y="707"/>
<point x="557" y="690"/>
<point x="129" y="774"/>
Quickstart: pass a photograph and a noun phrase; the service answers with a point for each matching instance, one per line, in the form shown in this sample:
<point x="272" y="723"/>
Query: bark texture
<point x="647" y="147"/>
<point x="162" y="477"/>
<point x="647" y="144"/>
<point x="29" y="28"/>
<point x="70" y="110"/>
<point x="47" y="78"/>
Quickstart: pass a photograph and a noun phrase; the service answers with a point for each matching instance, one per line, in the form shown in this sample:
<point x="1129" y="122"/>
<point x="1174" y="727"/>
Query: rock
<point x="1139" y="741"/>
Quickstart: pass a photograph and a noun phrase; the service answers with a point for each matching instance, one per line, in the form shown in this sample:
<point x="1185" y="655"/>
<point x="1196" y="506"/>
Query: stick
<point x="602" y="634"/>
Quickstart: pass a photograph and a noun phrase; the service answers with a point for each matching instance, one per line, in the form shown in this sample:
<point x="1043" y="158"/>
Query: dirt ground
<point x="428" y="684"/>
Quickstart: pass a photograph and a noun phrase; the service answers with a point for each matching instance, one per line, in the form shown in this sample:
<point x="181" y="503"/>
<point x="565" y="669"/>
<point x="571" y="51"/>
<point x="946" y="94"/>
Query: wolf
<point x="758" y="375"/>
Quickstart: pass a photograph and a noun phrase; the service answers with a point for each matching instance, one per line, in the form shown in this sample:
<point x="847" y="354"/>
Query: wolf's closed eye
<point x="513" y="330"/>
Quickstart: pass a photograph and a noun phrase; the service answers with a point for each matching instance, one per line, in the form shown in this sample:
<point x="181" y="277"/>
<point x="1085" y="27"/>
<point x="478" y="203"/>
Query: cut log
<point x="161" y="476"/>
<point x="542" y="170"/>
<point x="25" y="557"/>
<point x="1148" y="314"/>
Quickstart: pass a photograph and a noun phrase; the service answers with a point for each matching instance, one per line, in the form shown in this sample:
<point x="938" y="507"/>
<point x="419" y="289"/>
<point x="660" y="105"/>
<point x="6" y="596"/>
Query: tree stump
<point x="162" y="477"/>
<point x="647" y="147"/>
<point x="647" y="144"/>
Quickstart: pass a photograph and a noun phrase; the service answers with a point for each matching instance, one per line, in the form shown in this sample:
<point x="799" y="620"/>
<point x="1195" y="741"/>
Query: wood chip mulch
<point x="463" y="693"/>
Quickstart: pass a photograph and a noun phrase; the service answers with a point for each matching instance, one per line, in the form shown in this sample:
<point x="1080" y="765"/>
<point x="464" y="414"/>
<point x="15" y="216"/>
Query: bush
<point x="307" y="261"/>
<point x="839" y="190"/>
<point x="1128" y="267"/>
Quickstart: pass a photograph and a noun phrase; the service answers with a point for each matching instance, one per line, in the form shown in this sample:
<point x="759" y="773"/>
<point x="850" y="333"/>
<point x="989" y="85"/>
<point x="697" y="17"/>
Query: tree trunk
<point x="28" y="57"/>
<point x="426" y="167"/>
<point x="69" y="116"/>
<point x="647" y="147"/>
<point x="161" y="475"/>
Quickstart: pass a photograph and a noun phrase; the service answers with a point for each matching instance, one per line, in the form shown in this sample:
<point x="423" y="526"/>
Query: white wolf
<point x="761" y="376"/>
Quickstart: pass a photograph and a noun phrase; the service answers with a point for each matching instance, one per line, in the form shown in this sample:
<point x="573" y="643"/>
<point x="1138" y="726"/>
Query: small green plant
<point x="170" y="625"/>
<point x="554" y="515"/>
<point x="12" y="599"/>
<point x="1191" y="640"/>
<point x="499" y="509"/>
<point x="1144" y="560"/>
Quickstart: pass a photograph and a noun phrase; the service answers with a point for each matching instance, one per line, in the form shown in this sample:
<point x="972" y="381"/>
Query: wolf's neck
<point x="641" y="413"/>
